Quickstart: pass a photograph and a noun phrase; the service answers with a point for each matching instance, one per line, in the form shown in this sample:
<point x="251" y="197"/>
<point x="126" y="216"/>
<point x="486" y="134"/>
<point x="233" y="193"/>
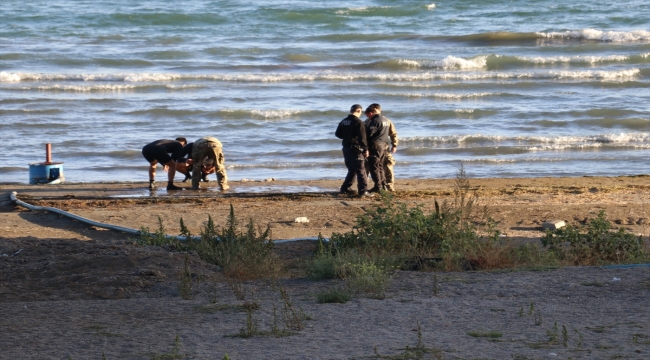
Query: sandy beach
<point x="70" y="290"/>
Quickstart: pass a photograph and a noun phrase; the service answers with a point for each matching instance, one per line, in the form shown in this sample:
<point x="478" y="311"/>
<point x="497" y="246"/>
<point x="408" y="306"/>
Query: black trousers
<point x="355" y="162"/>
<point x="376" y="162"/>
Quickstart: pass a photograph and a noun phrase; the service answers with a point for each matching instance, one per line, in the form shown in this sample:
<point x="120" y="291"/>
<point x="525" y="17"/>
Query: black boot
<point x="171" y="186"/>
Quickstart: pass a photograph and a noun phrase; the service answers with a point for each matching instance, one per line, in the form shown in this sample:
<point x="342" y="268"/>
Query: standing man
<point x="389" y="160"/>
<point x="378" y="141"/>
<point x="207" y="152"/>
<point x="355" y="150"/>
<point x="159" y="152"/>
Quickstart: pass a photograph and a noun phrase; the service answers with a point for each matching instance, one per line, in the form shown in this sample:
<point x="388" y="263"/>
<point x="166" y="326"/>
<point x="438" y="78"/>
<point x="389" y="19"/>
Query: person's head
<point x="370" y="112"/>
<point x="356" y="109"/>
<point x="376" y="107"/>
<point x="182" y="140"/>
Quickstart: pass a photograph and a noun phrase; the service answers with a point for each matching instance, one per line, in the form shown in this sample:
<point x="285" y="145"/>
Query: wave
<point x="448" y="63"/>
<point x="599" y="35"/>
<point x="321" y="76"/>
<point x="30" y="111"/>
<point x="504" y="37"/>
<point x="226" y="113"/>
<point x="283" y="165"/>
<point x="478" y="139"/>
<point x="448" y="96"/>
<point x="103" y="88"/>
<point x="8" y="169"/>
<point x="495" y="61"/>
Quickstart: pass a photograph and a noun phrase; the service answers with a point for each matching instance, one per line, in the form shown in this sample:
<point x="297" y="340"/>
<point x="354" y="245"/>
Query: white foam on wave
<point x="99" y="87"/>
<point x="595" y="74"/>
<point x="79" y="88"/>
<point x="444" y="95"/>
<point x="559" y="147"/>
<point x="593" y="34"/>
<point x="636" y="139"/>
<point x="450" y="62"/>
<point x="464" y="111"/>
<point x="330" y="76"/>
<point x="275" y="114"/>
<point x="9" y="77"/>
<point x="145" y="77"/>
<point x="360" y="9"/>
<point x="348" y="10"/>
<point x="580" y="59"/>
<point x="431" y="6"/>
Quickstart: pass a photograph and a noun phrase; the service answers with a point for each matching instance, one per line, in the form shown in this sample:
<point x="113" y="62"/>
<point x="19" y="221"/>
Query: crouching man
<point x="207" y="152"/>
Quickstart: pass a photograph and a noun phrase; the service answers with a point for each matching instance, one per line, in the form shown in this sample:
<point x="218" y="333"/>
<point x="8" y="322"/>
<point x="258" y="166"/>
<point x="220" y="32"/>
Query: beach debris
<point x="301" y="219"/>
<point x="12" y="255"/>
<point x="553" y="224"/>
<point x="269" y="179"/>
<point x="246" y="180"/>
<point x="616" y="279"/>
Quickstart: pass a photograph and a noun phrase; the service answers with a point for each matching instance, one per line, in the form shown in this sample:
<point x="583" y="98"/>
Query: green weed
<point x="594" y="243"/>
<point x="334" y="295"/>
<point x="420" y="351"/>
<point x="173" y="354"/>
<point x="186" y="283"/>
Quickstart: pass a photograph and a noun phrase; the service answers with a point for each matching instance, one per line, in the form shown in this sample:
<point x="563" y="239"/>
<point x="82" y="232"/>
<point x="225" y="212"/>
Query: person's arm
<point x="361" y="136"/>
<point x="392" y="133"/>
<point x="339" y="131"/>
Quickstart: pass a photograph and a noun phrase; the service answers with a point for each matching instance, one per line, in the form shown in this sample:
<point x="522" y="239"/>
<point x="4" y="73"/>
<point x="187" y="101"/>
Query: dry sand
<point x="76" y="291"/>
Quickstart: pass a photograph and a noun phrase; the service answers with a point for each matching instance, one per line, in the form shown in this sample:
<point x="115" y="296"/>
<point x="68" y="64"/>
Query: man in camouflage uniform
<point x="389" y="160"/>
<point x="207" y="151"/>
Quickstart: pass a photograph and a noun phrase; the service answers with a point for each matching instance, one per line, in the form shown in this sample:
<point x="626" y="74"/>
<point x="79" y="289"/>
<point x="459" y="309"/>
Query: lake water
<point x="509" y="89"/>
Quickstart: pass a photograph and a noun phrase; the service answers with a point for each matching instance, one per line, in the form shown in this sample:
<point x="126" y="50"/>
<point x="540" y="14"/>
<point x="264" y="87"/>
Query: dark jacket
<point x="377" y="130"/>
<point x="353" y="133"/>
<point x="171" y="147"/>
<point x="186" y="153"/>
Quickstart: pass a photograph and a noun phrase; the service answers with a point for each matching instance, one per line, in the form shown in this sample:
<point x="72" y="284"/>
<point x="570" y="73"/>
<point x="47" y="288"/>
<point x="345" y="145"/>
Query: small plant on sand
<point x="173" y="354"/>
<point x="157" y="238"/>
<point x="334" y="295"/>
<point x="213" y="293"/>
<point x="294" y="319"/>
<point x="594" y="243"/>
<point x="368" y="278"/>
<point x="420" y="351"/>
<point x="251" y="324"/>
<point x="186" y="283"/>
<point x="242" y="255"/>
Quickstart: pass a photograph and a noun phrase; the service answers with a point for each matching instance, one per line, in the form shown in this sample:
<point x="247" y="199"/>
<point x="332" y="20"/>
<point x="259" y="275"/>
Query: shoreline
<point x="518" y="205"/>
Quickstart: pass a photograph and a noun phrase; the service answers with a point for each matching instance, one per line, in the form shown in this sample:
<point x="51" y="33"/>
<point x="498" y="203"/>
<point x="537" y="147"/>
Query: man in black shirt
<point x="377" y="132"/>
<point x="159" y="152"/>
<point x="355" y="150"/>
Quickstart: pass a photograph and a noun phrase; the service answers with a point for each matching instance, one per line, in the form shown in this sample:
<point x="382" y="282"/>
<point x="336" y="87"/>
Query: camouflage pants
<point x="389" y="162"/>
<point x="208" y="148"/>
